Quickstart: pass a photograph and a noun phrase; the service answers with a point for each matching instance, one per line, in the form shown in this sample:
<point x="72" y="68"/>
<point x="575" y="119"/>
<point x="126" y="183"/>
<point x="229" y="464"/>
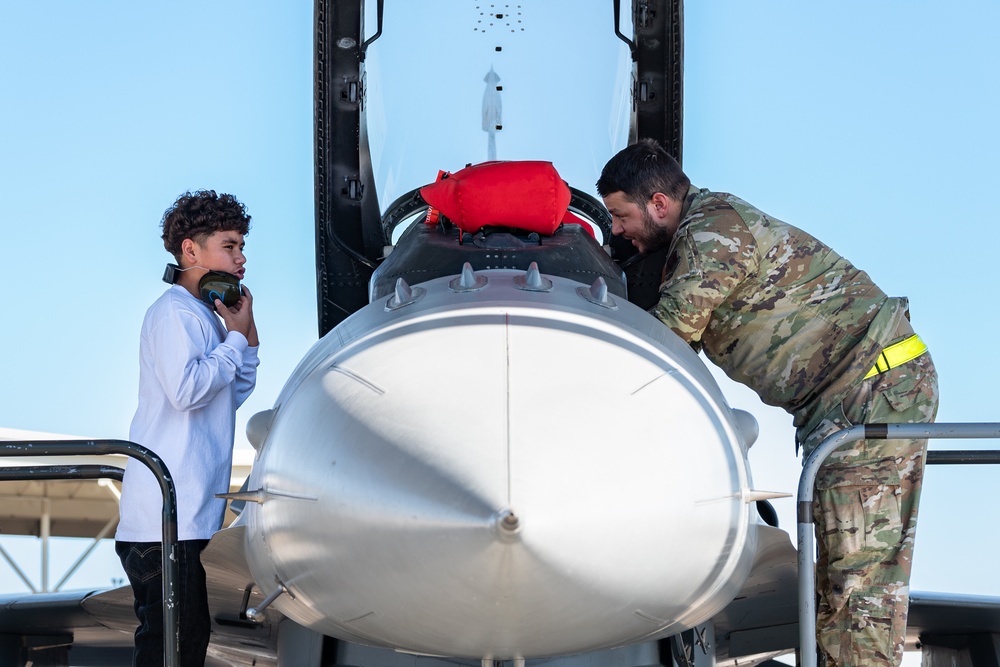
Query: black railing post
<point x="46" y="448"/>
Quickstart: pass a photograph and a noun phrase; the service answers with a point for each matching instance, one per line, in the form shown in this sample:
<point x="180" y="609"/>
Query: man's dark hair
<point x="197" y="215"/>
<point x="640" y="171"/>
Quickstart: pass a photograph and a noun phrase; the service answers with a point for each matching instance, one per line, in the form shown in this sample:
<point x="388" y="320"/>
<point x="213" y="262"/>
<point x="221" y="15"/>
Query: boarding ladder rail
<point x="807" y="656"/>
<point x="47" y="448"/>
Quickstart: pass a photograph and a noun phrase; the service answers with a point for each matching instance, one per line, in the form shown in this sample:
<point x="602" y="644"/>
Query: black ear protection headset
<point x="213" y="285"/>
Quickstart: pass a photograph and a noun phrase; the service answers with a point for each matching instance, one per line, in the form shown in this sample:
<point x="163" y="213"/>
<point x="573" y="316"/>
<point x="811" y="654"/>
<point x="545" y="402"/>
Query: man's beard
<point x="654" y="237"/>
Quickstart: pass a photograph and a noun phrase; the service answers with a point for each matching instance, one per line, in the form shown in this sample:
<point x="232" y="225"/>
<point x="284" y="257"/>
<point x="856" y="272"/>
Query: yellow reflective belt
<point x="900" y="353"/>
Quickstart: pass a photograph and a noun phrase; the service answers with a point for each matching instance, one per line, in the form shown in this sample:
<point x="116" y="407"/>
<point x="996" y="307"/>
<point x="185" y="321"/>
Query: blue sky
<point x="870" y="125"/>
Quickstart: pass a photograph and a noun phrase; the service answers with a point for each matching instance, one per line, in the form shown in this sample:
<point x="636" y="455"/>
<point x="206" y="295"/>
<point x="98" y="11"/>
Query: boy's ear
<point x="187" y="255"/>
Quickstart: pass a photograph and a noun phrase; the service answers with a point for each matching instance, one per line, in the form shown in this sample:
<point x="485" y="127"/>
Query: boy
<point x="197" y="365"/>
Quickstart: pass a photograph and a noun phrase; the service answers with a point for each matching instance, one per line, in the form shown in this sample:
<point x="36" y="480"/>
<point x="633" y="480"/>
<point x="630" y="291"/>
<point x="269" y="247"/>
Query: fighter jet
<point x="493" y="454"/>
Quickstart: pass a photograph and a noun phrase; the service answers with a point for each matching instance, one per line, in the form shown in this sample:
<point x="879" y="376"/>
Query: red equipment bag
<point x="527" y="195"/>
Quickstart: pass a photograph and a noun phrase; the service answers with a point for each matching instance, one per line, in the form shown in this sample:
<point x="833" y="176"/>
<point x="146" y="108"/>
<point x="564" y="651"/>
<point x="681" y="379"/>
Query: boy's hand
<point x="240" y="316"/>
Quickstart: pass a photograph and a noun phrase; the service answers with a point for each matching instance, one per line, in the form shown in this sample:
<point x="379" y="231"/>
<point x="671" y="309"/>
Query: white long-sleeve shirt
<point x="193" y="375"/>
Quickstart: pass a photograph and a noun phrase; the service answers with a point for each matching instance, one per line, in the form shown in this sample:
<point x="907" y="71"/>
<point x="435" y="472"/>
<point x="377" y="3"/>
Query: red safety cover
<point x="528" y="195"/>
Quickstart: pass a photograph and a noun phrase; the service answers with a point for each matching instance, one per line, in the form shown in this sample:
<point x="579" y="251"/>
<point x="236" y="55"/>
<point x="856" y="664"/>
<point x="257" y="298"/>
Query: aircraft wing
<point x="44" y="626"/>
<point x="964" y="623"/>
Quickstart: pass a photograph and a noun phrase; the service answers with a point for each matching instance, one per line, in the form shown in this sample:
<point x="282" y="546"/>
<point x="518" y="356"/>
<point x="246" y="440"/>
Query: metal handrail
<point x="44" y="473"/>
<point x="807" y="483"/>
<point x="171" y="574"/>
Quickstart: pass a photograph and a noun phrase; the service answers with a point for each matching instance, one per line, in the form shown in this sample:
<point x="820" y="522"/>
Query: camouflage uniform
<point x="787" y="316"/>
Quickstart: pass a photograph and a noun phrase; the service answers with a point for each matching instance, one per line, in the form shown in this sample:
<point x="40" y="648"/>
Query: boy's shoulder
<point x="176" y="302"/>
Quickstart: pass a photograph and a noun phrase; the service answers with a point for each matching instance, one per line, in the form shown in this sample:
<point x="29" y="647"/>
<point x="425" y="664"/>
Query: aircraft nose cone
<point x="496" y="481"/>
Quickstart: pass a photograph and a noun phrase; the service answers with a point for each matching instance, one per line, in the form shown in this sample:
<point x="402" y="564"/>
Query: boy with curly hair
<point x="197" y="365"/>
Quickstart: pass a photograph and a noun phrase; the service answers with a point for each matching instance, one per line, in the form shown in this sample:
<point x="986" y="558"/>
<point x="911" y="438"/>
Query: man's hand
<point x="239" y="317"/>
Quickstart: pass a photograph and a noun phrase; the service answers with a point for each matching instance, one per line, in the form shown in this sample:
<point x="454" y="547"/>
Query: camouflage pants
<point x="865" y="505"/>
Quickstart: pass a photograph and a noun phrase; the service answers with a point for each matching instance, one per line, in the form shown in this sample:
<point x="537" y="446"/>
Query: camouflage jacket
<point x="772" y="306"/>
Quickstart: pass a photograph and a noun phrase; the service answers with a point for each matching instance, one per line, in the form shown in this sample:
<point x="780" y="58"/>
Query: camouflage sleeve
<point x="709" y="258"/>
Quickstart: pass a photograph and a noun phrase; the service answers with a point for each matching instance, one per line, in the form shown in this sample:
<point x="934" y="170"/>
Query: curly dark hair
<point x="197" y="215"/>
<point x="640" y="171"/>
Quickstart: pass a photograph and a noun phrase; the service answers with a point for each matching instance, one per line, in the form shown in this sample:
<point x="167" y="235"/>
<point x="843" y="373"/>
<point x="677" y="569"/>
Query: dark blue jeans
<point x="143" y="563"/>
